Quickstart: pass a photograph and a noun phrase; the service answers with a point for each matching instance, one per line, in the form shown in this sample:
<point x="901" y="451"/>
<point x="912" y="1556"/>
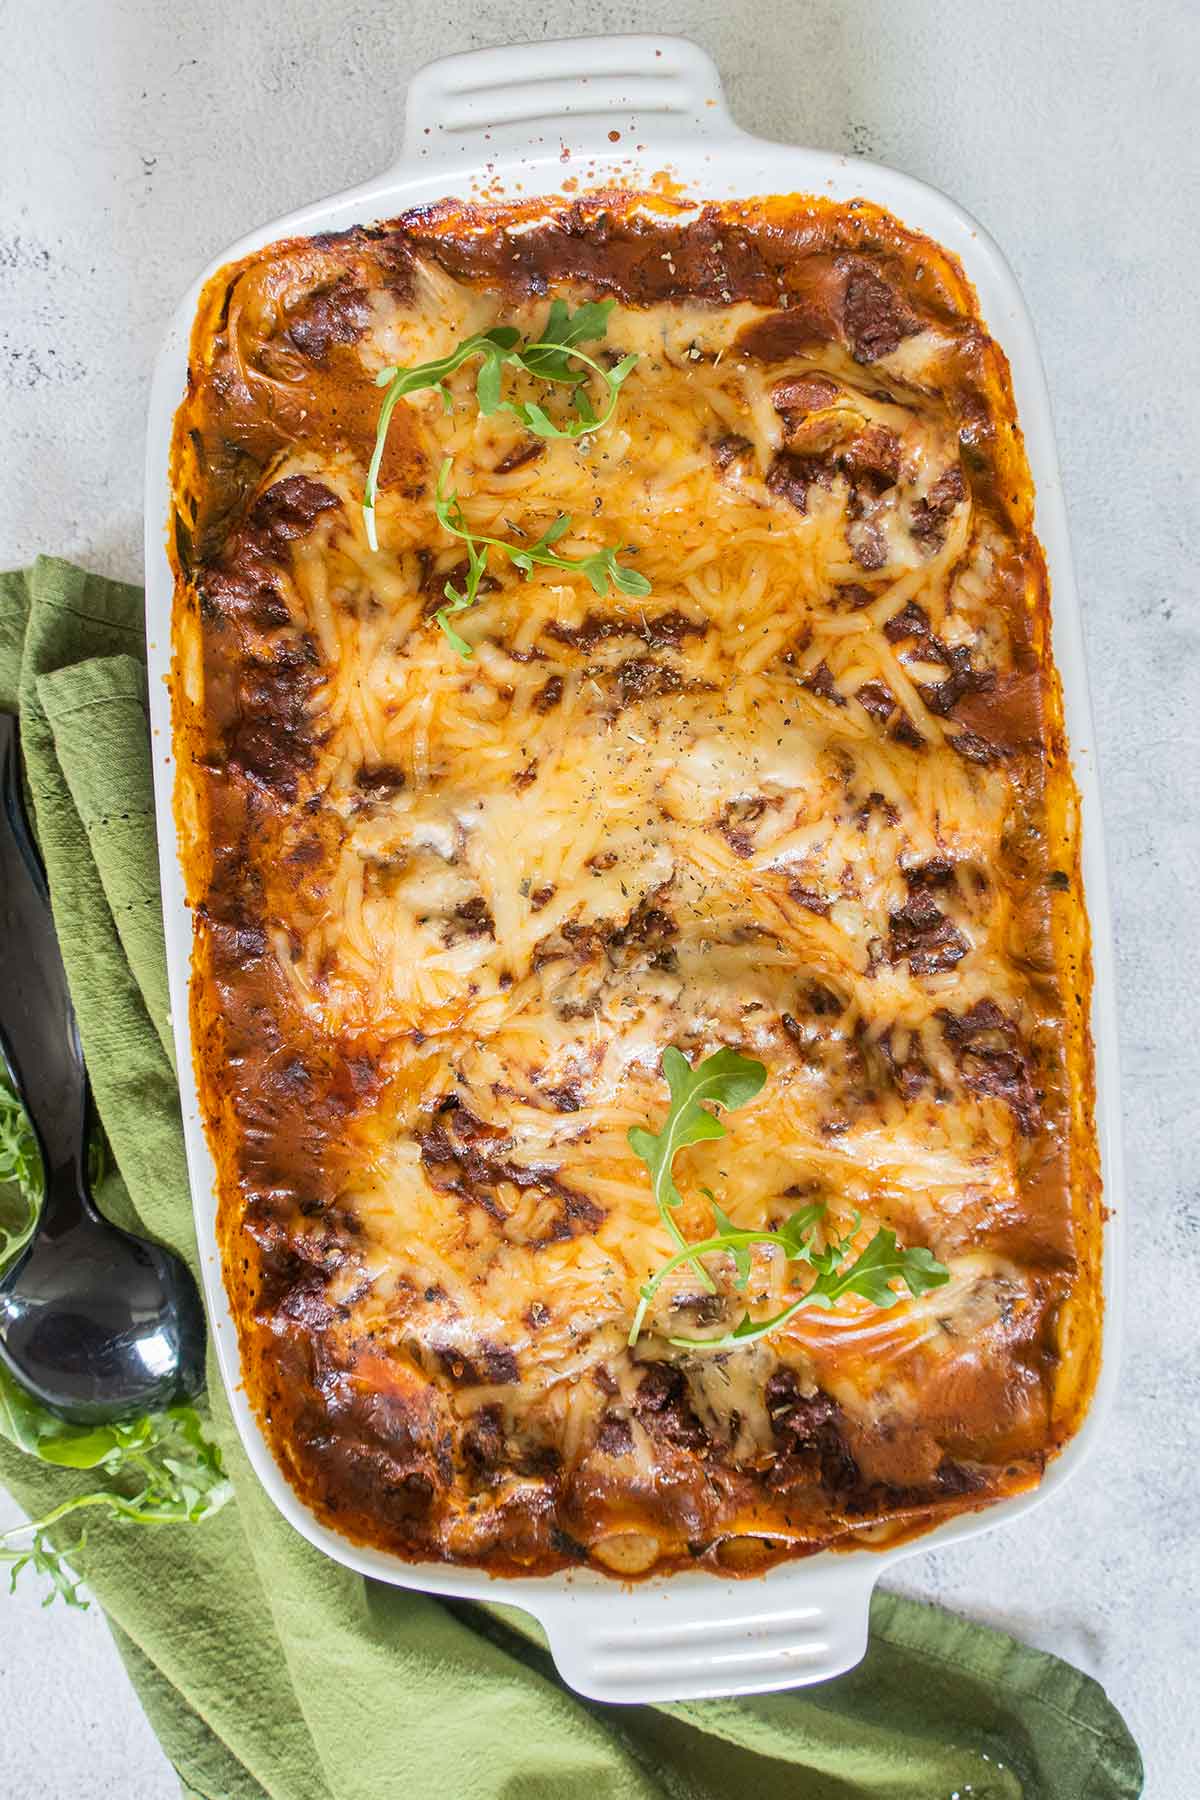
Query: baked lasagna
<point x="611" y="643"/>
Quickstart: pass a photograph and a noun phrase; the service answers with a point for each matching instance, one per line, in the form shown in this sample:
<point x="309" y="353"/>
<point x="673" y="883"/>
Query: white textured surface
<point x="137" y="138"/>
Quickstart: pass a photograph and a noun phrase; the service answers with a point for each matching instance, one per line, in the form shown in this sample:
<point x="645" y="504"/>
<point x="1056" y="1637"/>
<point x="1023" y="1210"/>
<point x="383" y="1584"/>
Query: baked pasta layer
<point x="807" y="799"/>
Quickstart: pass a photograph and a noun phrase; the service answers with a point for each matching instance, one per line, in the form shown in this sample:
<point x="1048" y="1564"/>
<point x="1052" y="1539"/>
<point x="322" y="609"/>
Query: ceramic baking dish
<point x="604" y="112"/>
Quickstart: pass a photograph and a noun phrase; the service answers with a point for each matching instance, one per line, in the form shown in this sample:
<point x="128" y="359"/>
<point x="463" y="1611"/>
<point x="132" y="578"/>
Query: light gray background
<point x="138" y="138"/>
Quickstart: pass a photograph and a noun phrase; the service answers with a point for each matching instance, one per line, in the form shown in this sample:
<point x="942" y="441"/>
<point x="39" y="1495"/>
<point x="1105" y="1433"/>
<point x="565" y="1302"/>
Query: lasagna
<point x="745" y="737"/>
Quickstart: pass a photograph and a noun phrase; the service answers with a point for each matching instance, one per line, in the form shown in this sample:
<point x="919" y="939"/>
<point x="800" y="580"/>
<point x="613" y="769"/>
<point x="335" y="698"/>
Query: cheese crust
<point x="809" y="799"/>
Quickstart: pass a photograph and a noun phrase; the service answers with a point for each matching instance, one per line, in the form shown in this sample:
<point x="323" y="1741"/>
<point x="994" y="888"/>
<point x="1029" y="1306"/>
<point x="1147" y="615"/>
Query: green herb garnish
<point x="157" y="1470"/>
<point x="724" y="1079"/>
<point x="869" y="1275"/>
<point x="45" y="1559"/>
<point x="164" y="1471"/>
<point x="552" y="358"/>
<point x="20" y="1176"/>
<point x="729" y="1080"/>
<point x="601" y="568"/>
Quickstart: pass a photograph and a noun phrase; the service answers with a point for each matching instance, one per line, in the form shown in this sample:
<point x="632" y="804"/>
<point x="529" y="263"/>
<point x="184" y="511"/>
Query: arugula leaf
<point x="729" y="1080"/>
<point x="44" y="1558"/>
<point x="725" y="1079"/>
<point x="451" y="515"/>
<point x="794" y="1233"/>
<point x="161" y="1468"/>
<point x="28" y="1425"/>
<point x="493" y="346"/>
<point x="537" y="420"/>
<point x="549" y="358"/>
<point x="20" y="1176"/>
<point x="524" y="557"/>
<point x="792" y="1237"/>
<point x="601" y="568"/>
<point x="487" y="386"/>
<point x="869" y="1276"/>
<point x="736" y="1244"/>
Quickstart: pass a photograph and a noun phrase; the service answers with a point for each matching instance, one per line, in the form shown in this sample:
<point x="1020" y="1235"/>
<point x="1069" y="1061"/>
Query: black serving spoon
<point x="95" y="1322"/>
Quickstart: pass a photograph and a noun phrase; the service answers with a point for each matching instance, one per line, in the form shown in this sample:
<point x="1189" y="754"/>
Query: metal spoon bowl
<point x="97" y="1323"/>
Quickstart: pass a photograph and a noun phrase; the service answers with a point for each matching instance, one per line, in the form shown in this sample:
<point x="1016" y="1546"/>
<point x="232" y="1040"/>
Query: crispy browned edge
<point x="1080" y="1319"/>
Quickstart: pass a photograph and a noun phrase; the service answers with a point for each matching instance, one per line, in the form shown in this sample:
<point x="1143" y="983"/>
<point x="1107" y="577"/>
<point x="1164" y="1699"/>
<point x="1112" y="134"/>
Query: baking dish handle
<point x="609" y="96"/>
<point x="713" y="1639"/>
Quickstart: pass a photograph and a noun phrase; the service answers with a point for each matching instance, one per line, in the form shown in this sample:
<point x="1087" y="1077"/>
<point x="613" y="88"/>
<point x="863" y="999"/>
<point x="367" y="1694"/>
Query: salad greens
<point x="157" y="1470"/>
<point x="729" y="1080"/>
<point x="553" y="357"/>
<point x="724" y="1079"/>
<point x="602" y="568"/>
<point x="20" y="1176"/>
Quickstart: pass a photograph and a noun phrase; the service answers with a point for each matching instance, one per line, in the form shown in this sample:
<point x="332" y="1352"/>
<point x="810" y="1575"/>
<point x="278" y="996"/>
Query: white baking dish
<point x="522" y="121"/>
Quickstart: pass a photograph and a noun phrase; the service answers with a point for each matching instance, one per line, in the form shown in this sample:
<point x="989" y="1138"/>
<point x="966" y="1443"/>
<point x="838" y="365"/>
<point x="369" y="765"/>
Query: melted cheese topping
<point x="740" y="811"/>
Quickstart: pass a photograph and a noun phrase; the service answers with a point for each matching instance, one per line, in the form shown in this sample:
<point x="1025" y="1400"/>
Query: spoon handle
<point x="39" y="1038"/>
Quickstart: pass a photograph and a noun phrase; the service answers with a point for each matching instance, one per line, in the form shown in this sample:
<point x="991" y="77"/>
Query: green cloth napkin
<point x="266" y="1669"/>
